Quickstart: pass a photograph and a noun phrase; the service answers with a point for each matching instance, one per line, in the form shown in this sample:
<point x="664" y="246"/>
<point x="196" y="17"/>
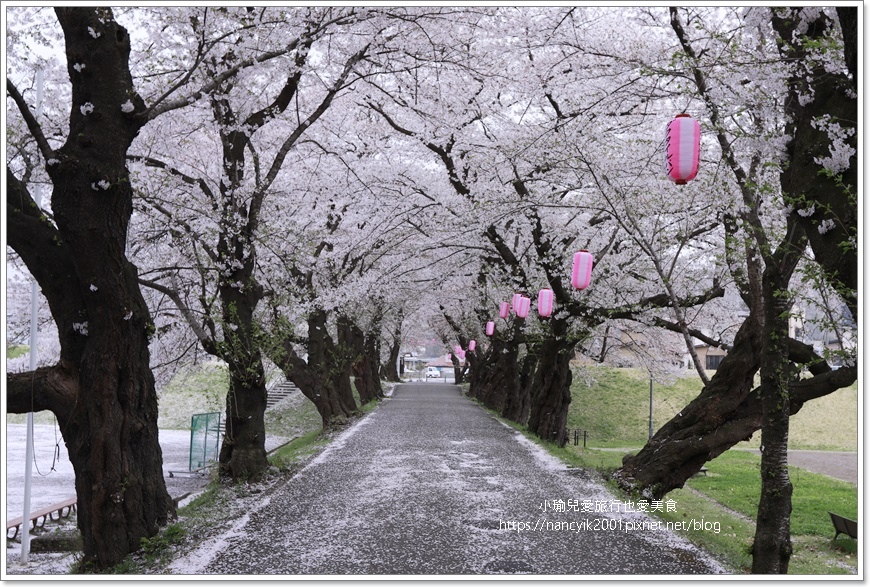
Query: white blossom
<point x="807" y="212"/>
<point x="86" y="108"/>
<point x="841" y="151"/>
<point x="81" y="328"/>
<point x="128" y="315"/>
<point x="52" y="162"/>
<point x="826" y="225"/>
<point x="93" y="287"/>
<point x="79" y="67"/>
<point x="94" y="33"/>
<point x="127" y="107"/>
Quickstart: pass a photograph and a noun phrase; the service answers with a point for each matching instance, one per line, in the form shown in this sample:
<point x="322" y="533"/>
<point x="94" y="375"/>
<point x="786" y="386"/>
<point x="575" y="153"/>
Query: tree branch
<point x="29" y="119"/>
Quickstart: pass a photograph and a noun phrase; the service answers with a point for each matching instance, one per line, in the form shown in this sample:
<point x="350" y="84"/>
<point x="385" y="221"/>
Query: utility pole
<point x="34" y="326"/>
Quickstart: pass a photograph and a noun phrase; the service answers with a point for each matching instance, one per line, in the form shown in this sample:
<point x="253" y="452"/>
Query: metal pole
<point x="34" y="326"/>
<point x="650" y="404"/>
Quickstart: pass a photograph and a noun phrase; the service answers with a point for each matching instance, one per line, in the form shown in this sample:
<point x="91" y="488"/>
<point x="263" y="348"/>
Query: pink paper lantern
<point x="581" y="272"/>
<point x="545" y="302"/>
<point x="461" y="355"/>
<point x="504" y="309"/>
<point x="490" y="328"/>
<point x="472" y="344"/>
<point x="523" y="306"/>
<point x="682" y="148"/>
<point x="515" y="304"/>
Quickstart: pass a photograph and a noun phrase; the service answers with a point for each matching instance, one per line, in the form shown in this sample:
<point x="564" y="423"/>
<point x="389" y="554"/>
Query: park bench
<point x="844" y="526"/>
<point x="46" y="513"/>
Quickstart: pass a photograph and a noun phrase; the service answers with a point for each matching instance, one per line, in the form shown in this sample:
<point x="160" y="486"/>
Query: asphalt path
<point x="431" y="484"/>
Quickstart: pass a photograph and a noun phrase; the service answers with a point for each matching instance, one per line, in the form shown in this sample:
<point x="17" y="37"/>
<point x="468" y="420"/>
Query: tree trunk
<point x="721" y="416"/>
<point x="499" y="377"/>
<point x="366" y="366"/>
<point x="102" y="391"/>
<point x="805" y="184"/>
<point x="390" y="368"/>
<point x="324" y="378"/>
<point x="550" y="391"/>
<point x="772" y="547"/>
<point x="243" y="452"/>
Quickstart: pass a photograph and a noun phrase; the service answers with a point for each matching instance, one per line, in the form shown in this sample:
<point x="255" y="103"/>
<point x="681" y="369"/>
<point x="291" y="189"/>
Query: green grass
<point x="299" y="449"/>
<point x="16" y="350"/>
<point x="613" y="406"/>
<point x="194" y="390"/>
<point x="734" y="480"/>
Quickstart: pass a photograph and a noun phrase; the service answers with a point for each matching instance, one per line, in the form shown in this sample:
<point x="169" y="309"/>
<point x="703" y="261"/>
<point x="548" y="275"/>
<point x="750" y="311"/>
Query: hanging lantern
<point x="472" y="344"/>
<point x="545" y="302"/>
<point x="504" y="309"/>
<point x="523" y="306"/>
<point x="581" y="272"/>
<point x="461" y="355"/>
<point x="490" y="328"/>
<point x="515" y="304"/>
<point x="682" y="148"/>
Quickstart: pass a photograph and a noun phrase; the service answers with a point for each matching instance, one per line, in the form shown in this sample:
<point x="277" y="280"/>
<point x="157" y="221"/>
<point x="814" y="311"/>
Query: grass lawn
<point x="612" y="405"/>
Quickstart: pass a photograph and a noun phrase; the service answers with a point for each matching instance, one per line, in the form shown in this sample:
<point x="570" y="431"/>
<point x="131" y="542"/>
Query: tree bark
<point x="498" y="376"/>
<point x="324" y="378"/>
<point x="833" y="197"/>
<point x="102" y="390"/>
<point x="367" y="359"/>
<point x="390" y="368"/>
<point x="772" y="547"/>
<point x="243" y="451"/>
<point x="551" y="390"/>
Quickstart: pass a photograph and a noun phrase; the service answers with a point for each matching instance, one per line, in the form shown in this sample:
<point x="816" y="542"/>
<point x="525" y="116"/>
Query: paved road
<point x="840" y="465"/>
<point x="430" y="484"/>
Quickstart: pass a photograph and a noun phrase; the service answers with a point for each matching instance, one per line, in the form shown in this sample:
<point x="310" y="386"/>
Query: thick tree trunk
<point x="720" y="417"/>
<point x="243" y="452"/>
<point x="550" y="391"/>
<point x="324" y="378"/>
<point x="833" y="197"/>
<point x="102" y="391"/>
<point x="366" y="366"/>
<point x="498" y="376"/>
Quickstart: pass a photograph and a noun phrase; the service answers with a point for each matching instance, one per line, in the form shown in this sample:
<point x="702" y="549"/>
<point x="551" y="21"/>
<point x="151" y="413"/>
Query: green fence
<point x="205" y="438"/>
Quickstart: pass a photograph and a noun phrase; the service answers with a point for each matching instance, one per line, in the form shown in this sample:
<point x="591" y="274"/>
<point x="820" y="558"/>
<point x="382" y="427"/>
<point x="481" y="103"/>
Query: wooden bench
<point x="48" y="513"/>
<point x="844" y="526"/>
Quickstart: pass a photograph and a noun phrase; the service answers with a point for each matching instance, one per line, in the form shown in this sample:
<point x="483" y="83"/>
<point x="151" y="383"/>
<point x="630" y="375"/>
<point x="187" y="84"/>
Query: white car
<point x="432" y="372"/>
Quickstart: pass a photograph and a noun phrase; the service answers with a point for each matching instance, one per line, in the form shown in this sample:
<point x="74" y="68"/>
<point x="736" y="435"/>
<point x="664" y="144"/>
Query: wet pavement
<point x="431" y="484"/>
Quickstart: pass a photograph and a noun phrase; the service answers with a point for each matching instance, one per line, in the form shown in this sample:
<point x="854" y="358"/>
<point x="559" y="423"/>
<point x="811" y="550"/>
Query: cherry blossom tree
<point x="772" y="248"/>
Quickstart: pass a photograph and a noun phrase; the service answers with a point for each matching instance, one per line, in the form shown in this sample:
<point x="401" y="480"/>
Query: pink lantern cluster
<point x="581" y="277"/>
